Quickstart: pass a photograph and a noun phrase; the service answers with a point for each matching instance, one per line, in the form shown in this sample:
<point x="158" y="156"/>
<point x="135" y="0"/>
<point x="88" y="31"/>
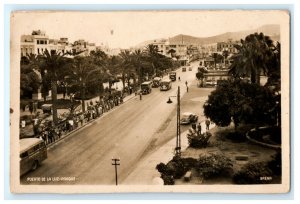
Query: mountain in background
<point x="271" y="30"/>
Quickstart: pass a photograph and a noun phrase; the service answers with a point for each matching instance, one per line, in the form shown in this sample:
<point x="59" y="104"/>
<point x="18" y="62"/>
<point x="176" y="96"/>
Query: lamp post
<point x="178" y="132"/>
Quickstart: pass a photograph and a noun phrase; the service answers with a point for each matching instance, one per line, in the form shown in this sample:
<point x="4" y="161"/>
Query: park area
<point x="228" y="158"/>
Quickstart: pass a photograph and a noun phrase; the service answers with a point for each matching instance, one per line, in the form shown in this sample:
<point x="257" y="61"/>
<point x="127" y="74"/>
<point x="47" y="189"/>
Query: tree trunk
<point x="54" y="99"/>
<point x="82" y="99"/>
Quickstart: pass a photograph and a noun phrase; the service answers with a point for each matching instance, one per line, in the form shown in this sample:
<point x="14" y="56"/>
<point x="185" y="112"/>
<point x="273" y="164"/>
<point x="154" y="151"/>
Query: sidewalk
<point x="28" y="130"/>
<point x="145" y="173"/>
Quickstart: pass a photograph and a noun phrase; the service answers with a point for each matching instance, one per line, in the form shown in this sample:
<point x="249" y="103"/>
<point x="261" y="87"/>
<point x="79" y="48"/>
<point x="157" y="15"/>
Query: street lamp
<point x="178" y="139"/>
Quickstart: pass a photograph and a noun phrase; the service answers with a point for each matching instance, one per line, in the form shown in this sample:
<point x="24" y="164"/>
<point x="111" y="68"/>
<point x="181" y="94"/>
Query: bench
<point x="187" y="176"/>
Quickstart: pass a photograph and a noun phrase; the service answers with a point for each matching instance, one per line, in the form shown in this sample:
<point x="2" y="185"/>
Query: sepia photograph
<point x="150" y="101"/>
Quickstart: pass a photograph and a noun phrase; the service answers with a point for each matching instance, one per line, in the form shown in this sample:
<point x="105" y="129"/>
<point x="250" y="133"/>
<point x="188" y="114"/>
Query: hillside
<point x="271" y="30"/>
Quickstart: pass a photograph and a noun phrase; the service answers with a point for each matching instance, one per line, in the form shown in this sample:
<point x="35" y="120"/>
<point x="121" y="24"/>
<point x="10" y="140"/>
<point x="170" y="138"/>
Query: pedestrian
<point x="71" y="125"/>
<point x="140" y="95"/>
<point x="179" y="78"/>
<point x="199" y="128"/>
<point x="207" y="122"/>
<point x="81" y="118"/>
<point x="194" y="126"/>
<point x="187" y="89"/>
<point x="186" y="83"/>
<point x="130" y="90"/>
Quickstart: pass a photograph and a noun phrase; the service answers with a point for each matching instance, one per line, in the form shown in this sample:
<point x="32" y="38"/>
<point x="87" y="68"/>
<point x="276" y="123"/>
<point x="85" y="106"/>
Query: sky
<point x="126" y="29"/>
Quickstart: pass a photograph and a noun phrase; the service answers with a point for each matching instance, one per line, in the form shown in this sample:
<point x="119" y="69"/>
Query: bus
<point x="172" y="76"/>
<point x="32" y="152"/>
<point x="166" y="85"/>
<point x="156" y="82"/>
<point x="146" y="87"/>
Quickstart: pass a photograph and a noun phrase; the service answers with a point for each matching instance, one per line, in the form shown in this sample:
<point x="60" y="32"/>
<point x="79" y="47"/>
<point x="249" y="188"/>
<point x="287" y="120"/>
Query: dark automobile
<point x="188" y="118"/>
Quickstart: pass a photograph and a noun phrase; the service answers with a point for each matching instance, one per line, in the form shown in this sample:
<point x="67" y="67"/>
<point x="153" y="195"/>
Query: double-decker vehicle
<point x="172" y="76"/>
<point x="146" y="87"/>
<point x="32" y="152"/>
<point x="156" y="82"/>
<point x="166" y="85"/>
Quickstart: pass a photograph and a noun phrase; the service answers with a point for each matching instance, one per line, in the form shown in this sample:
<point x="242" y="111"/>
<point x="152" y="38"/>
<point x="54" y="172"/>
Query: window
<point x="38" y="42"/>
<point x="23" y="155"/>
<point x="38" y="50"/>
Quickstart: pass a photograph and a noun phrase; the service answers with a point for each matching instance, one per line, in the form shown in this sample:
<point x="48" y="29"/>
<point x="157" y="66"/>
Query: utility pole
<point x="178" y="139"/>
<point x="116" y="162"/>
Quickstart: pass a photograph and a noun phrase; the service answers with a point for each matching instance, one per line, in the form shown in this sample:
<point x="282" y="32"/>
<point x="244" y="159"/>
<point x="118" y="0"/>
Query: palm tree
<point x="126" y="66"/>
<point x="81" y="71"/>
<point x="52" y="63"/>
<point x="153" y="56"/>
<point x="253" y="57"/>
<point x="225" y="54"/>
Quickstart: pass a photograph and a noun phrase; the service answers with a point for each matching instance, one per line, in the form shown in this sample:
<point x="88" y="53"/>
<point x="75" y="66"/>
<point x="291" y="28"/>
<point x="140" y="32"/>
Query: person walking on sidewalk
<point x="199" y="128"/>
<point x="207" y="122"/>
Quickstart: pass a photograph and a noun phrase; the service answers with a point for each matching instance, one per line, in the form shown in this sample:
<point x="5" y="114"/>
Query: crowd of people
<point x="50" y="133"/>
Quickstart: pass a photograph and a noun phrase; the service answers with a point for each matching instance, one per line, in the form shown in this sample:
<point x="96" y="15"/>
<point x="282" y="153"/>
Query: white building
<point x="36" y="43"/>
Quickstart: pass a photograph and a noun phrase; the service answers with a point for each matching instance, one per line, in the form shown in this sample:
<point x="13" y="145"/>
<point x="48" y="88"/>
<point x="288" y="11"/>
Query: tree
<point x="217" y="58"/>
<point x="84" y="74"/>
<point x="30" y="75"/>
<point x="126" y="66"/>
<point x="52" y="63"/>
<point x="225" y="54"/>
<point x="241" y="102"/>
<point x="253" y="57"/>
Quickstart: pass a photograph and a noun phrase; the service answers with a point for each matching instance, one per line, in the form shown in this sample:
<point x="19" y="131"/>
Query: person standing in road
<point x="179" y="78"/>
<point x="186" y="83"/>
<point x="207" y="122"/>
<point x="140" y="95"/>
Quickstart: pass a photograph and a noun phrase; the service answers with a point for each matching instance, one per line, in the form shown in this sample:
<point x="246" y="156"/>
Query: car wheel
<point x="35" y="165"/>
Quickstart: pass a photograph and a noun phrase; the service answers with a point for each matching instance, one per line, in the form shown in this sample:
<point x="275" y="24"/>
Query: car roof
<point x="188" y="113"/>
<point x="147" y="82"/>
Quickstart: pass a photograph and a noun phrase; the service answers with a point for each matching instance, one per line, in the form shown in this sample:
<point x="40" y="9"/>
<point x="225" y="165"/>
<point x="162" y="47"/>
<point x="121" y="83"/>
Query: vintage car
<point x="190" y="69"/>
<point x="183" y="69"/>
<point x="188" y="118"/>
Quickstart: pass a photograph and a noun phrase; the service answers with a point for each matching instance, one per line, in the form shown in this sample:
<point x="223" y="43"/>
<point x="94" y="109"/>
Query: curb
<point x="259" y="142"/>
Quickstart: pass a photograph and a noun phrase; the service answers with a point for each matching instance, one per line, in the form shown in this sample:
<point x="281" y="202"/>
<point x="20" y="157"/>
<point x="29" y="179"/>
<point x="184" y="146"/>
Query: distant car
<point x="183" y="69"/>
<point x="190" y="68"/>
<point x="210" y="83"/>
<point x="188" y="118"/>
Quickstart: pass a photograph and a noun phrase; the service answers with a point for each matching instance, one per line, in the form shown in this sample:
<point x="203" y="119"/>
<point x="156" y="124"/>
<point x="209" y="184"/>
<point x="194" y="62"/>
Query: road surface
<point x="125" y="132"/>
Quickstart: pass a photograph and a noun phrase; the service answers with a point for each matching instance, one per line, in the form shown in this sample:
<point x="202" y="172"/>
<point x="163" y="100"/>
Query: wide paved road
<point x="123" y="133"/>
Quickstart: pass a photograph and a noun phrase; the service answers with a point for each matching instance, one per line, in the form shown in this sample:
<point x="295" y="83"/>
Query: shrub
<point x="168" y="180"/>
<point x="237" y="136"/>
<point x="275" y="164"/>
<point x="175" y="169"/>
<point x="252" y="173"/>
<point x="189" y="163"/>
<point x="198" y="140"/>
<point x="213" y="165"/>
